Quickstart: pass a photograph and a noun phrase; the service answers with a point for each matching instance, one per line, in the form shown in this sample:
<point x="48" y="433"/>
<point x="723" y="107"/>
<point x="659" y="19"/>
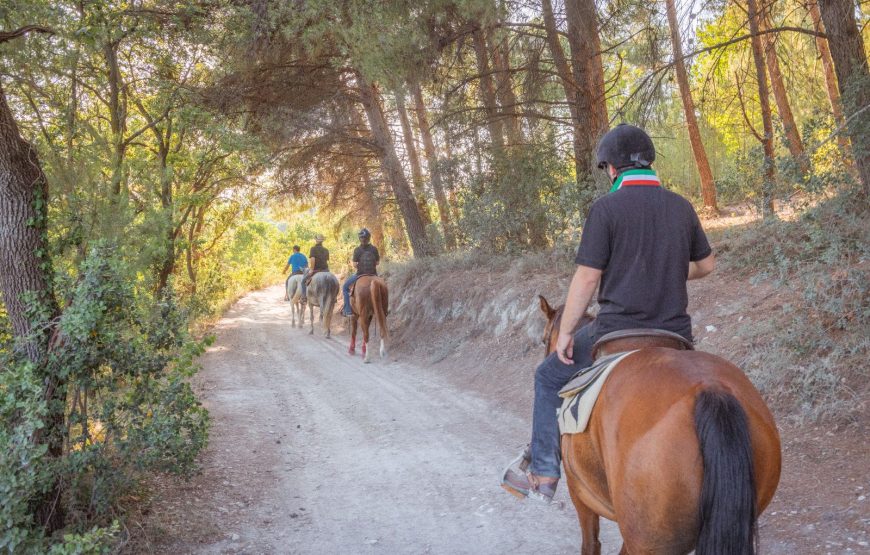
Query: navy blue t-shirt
<point x="642" y="238"/>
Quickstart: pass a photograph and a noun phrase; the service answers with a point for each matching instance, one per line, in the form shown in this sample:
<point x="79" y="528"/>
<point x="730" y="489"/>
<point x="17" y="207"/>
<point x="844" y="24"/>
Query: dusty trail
<point x="313" y="451"/>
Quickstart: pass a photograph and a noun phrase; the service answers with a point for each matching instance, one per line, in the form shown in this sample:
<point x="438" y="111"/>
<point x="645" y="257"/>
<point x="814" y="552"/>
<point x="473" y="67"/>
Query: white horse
<point x="297" y="303"/>
<point x="322" y="292"/>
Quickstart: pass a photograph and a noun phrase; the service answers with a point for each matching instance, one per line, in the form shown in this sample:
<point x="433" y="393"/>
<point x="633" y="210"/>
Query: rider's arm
<point x="284" y="271"/>
<point x="579" y="295"/>
<point x="702" y="267"/>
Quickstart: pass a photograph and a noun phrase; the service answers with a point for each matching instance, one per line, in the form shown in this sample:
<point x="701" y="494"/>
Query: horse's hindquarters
<point x="640" y="461"/>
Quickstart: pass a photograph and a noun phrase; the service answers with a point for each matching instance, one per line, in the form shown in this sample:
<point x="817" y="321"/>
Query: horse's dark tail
<point x="727" y="505"/>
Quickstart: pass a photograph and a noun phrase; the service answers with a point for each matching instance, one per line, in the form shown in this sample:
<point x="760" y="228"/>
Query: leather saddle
<point x="633" y="339"/>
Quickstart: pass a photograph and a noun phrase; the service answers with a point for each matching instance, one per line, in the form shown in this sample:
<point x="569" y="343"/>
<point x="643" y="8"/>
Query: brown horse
<point x="681" y="451"/>
<point x="370" y="299"/>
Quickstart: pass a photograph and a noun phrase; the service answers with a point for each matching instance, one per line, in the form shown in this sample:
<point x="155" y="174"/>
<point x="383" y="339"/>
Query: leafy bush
<point x="124" y="358"/>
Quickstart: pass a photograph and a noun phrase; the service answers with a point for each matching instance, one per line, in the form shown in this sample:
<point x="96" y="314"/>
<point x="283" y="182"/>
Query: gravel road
<point x="313" y="451"/>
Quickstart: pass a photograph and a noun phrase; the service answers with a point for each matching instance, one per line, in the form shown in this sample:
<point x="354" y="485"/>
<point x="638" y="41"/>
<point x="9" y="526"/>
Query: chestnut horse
<point x="370" y="299"/>
<point x="680" y="451"/>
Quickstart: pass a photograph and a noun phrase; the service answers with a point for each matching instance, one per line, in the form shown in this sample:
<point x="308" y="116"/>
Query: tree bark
<point x="413" y="159"/>
<point x="25" y="264"/>
<point x="708" y="188"/>
<point x="588" y="75"/>
<point x="767" y="209"/>
<point x="853" y="77"/>
<point x="831" y="82"/>
<point x="392" y="169"/>
<point x="783" y="106"/>
<point x="434" y="167"/>
<point x="487" y="94"/>
<point x="26" y="284"/>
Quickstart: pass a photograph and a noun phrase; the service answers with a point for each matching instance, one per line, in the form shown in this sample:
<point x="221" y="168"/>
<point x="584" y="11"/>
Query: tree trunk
<point x="117" y="120"/>
<point x="581" y="156"/>
<point x="831" y="83"/>
<point x="26" y="283"/>
<point x="413" y="159"/>
<point x="504" y="87"/>
<point x="767" y="209"/>
<point x="708" y="188"/>
<point x="392" y="169"/>
<point x="588" y="75"/>
<point x="434" y="168"/>
<point x="487" y="94"/>
<point x="783" y="106"/>
<point x="853" y="77"/>
<point x="373" y="211"/>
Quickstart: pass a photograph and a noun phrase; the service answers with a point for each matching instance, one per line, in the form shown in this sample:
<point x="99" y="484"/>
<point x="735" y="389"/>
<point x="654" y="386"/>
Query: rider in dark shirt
<point x="319" y="259"/>
<point x="365" y="261"/>
<point x="640" y="244"/>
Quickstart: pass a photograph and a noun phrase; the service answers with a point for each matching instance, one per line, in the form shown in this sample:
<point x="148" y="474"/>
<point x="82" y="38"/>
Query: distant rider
<point x="319" y="256"/>
<point x="299" y="263"/>
<point x="365" y="262"/>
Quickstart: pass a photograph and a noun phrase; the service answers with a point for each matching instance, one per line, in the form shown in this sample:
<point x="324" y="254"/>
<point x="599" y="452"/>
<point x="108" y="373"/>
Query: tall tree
<point x="588" y="74"/>
<point x="767" y="209"/>
<point x="392" y="168"/>
<point x="488" y="92"/>
<point x="434" y="166"/>
<point x="783" y="106"/>
<point x="413" y="158"/>
<point x="708" y="188"/>
<point x="26" y="281"/>
<point x="563" y="69"/>
<point x="830" y="79"/>
<point x="853" y="77"/>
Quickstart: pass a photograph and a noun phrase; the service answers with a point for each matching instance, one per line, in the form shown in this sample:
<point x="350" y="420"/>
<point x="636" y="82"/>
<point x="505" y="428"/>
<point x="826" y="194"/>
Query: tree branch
<point x="6" y="36"/>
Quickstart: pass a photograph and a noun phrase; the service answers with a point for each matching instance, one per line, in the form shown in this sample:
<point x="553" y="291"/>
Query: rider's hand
<point x="565" y="347"/>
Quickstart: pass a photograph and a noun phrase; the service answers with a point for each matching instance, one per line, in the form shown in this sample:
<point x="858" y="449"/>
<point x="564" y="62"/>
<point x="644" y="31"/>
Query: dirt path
<point x="313" y="451"/>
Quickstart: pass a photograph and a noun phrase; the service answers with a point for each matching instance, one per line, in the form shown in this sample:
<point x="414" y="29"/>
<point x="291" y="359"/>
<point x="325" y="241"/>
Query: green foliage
<point x="125" y="359"/>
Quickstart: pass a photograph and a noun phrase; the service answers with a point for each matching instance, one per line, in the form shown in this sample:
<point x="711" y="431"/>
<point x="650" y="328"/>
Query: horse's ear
<point x="546" y="308"/>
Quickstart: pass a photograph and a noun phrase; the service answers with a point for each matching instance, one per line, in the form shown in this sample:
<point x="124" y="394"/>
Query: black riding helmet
<point x="625" y="147"/>
<point x="364" y="234"/>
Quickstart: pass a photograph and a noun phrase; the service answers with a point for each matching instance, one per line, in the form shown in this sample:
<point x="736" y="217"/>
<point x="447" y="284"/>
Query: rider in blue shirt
<point x="298" y="263"/>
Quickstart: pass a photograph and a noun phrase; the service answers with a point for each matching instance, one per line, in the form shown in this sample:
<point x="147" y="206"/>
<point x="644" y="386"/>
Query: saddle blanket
<point x="582" y="391"/>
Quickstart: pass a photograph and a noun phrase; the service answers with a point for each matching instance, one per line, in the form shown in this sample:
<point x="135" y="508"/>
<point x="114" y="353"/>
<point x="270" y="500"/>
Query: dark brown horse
<point x="370" y="300"/>
<point x="681" y="451"/>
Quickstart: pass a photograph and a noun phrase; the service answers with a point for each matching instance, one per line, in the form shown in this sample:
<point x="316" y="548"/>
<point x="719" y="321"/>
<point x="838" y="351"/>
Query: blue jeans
<point x="346" y="290"/>
<point x="550" y="377"/>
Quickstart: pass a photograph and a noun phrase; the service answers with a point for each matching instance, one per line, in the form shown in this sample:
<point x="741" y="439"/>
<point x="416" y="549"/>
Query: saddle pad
<point x="581" y="393"/>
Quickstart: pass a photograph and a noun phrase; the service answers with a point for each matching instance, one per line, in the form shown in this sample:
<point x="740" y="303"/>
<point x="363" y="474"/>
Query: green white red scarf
<point x="636" y="178"/>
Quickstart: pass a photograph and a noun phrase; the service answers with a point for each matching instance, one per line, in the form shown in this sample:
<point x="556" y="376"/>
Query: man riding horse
<point x="299" y="263"/>
<point x="319" y="256"/>
<point x="640" y="245"/>
<point x="365" y="262"/>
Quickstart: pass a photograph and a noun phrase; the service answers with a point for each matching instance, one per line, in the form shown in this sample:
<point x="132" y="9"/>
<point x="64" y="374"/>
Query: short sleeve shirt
<point x="642" y="238"/>
<point x="297" y="261"/>
<point x="367" y="257"/>
<point x="320" y="254"/>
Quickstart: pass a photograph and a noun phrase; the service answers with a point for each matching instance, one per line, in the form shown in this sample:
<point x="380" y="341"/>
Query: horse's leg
<point x="589" y="525"/>
<point x="311" y="316"/>
<point x="366" y="325"/>
<point x="352" y="348"/>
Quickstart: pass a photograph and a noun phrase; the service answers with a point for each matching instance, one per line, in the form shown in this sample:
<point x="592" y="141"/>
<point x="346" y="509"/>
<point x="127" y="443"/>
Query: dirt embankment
<point x="477" y="322"/>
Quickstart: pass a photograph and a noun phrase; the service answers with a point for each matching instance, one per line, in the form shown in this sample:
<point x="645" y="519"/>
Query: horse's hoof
<point x="311" y="332"/>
